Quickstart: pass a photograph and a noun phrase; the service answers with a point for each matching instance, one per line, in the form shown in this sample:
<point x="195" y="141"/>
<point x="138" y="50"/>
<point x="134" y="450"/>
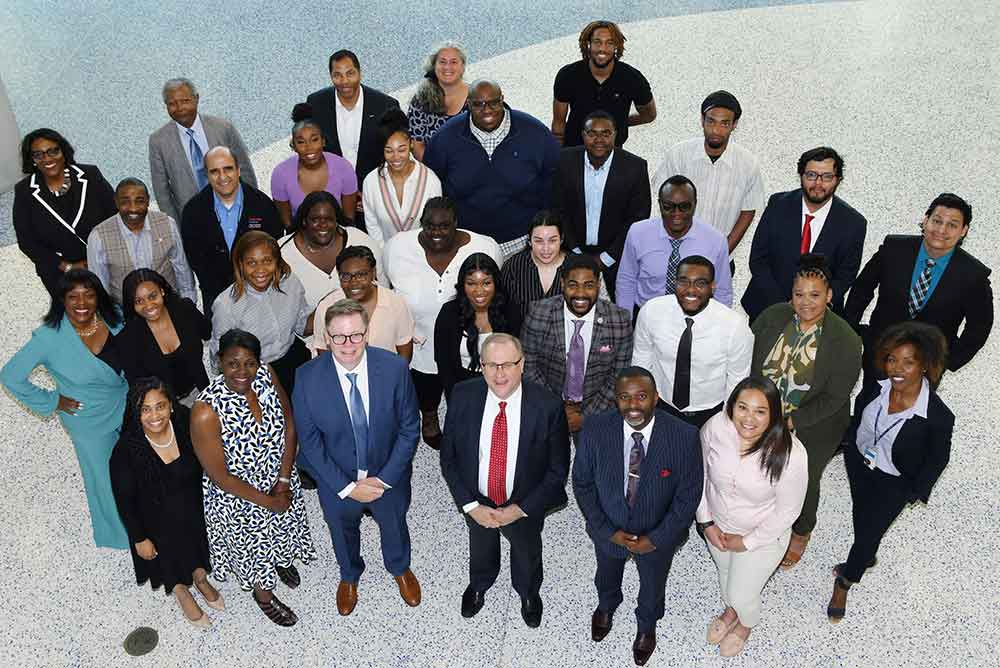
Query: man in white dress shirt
<point x="696" y="348"/>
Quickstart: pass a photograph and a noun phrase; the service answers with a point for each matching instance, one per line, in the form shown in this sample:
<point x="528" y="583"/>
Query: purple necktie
<point x="574" y="365"/>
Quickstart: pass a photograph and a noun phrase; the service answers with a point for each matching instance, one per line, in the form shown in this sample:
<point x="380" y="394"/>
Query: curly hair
<point x="496" y="311"/>
<point x="242" y="248"/>
<point x="616" y="35"/>
<point x="814" y="265"/>
<point x="929" y="342"/>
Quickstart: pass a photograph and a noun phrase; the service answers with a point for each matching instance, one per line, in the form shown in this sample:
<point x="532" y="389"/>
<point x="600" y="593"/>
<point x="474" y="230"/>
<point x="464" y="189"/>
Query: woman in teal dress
<point x="76" y="346"/>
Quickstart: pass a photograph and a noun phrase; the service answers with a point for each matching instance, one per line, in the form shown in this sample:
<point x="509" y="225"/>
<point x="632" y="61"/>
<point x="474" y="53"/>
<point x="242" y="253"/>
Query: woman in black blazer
<point x="897" y="447"/>
<point x="57" y="205"/>
<point x="480" y="307"/>
<point x="163" y="335"/>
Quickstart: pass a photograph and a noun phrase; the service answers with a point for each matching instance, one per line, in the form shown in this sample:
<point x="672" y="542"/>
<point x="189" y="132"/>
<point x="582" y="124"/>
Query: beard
<point x="814" y="200"/>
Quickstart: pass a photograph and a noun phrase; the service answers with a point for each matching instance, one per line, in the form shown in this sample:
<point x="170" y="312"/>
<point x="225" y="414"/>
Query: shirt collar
<point x="125" y="230"/>
<point x="647" y="432"/>
<point x="919" y="406"/>
<point x="514" y="398"/>
<point x="570" y="316"/>
<point x="940" y="262"/>
<point x="692" y="232"/>
<point x="820" y="213"/>
<point x="361" y="369"/>
<point x="587" y="166"/>
<point x="238" y="202"/>
<point x="500" y="131"/>
<point x="196" y="126"/>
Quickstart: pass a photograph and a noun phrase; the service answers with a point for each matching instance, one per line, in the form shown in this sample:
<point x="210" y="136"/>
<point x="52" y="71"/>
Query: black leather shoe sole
<point x="472" y="602"/>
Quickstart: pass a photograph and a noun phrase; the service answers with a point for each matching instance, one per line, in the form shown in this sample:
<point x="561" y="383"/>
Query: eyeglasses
<point x="341" y="339"/>
<point x="599" y="134"/>
<point x="683" y="207"/>
<point x="479" y="105"/>
<point x="501" y="366"/>
<point x="698" y="283"/>
<point x="346" y="277"/>
<point x="53" y="152"/>
<point x="826" y="177"/>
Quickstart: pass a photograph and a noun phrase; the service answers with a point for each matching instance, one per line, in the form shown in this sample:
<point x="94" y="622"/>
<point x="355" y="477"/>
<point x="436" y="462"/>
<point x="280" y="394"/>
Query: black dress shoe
<point x="531" y="611"/>
<point x="643" y="647"/>
<point x="472" y="602"/>
<point x="600" y="625"/>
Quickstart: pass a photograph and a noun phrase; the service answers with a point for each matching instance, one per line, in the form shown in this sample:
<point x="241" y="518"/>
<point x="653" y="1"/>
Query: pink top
<point x="738" y="495"/>
<point x="340" y="180"/>
<point x="391" y="324"/>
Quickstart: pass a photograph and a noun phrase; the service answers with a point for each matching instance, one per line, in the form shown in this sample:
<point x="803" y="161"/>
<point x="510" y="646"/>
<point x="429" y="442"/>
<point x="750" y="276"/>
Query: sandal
<point x="276" y="611"/>
<point x="289" y="575"/>
<point x="796" y="548"/>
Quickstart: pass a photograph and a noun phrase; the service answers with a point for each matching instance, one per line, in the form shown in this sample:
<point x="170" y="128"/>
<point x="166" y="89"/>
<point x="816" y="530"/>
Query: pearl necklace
<point x="157" y="445"/>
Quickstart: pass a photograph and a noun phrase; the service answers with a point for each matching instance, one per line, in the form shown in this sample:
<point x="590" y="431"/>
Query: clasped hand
<point x="494" y="518"/>
<point x="724" y="542"/>
<point x="632" y="542"/>
<point x="367" y="490"/>
<point x="279" y="499"/>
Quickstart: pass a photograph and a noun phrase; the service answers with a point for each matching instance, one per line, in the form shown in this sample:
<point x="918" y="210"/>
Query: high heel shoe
<point x="837" y="607"/>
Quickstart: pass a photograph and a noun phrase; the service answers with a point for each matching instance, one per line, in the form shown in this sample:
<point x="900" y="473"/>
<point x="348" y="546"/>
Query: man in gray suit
<point x="177" y="150"/>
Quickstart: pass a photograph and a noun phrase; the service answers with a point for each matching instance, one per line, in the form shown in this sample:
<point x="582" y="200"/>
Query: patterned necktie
<point x="806" y="235"/>
<point x="573" y="390"/>
<point x="359" y="421"/>
<point x="496" y="483"/>
<point x="672" y="264"/>
<point x="918" y="293"/>
<point x="197" y="160"/>
<point x="682" y="369"/>
<point x="634" y="462"/>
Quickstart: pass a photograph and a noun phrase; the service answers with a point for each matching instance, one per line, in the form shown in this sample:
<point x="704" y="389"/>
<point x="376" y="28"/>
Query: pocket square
<point x="664" y="473"/>
<point x="605" y="349"/>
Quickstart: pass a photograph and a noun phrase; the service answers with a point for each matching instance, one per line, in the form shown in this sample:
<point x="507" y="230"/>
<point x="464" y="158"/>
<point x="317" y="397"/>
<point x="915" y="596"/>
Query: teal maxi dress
<point x="94" y="430"/>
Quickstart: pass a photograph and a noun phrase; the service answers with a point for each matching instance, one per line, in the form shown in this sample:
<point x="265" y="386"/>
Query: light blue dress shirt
<point x="229" y="219"/>
<point x="199" y="136"/>
<point x="594" y="180"/>
<point x="936" y="272"/>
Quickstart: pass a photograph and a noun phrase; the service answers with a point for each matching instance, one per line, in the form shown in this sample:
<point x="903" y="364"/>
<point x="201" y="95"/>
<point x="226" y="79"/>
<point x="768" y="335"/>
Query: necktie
<point x="359" y="421"/>
<point x="634" y="462"/>
<point x="496" y="484"/>
<point x="682" y="371"/>
<point x="806" y="235"/>
<point x="672" y="264"/>
<point x="197" y="160"/>
<point x="918" y="293"/>
<point x="573" y="390"/>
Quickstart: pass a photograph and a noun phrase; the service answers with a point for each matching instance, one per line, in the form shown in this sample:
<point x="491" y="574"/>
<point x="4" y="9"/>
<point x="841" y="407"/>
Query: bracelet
<point x="287" y="481"/>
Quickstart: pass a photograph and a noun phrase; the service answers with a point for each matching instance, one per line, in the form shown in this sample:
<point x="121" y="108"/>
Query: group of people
<point x="465" y="250"/>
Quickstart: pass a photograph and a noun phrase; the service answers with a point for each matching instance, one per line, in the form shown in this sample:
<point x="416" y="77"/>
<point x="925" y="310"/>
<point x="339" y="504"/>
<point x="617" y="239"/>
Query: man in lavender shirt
<point x="655" y="247"/>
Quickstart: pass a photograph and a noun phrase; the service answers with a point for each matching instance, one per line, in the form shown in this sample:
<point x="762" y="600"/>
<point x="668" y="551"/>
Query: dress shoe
<point x="643" y="647"/>
<point x="531" y="611"/>
<point x="347" y="597"/>
<point x="600" y="625"/>
<point x="472" y="602"/>
<point x="409" y="588"/>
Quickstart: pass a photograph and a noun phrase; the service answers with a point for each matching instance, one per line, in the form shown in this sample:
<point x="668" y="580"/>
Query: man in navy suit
<point x="505" y="457"/>
<point x="637" y="478"/>
<point x="810" y="219"/>
<point x="357" y="419"/>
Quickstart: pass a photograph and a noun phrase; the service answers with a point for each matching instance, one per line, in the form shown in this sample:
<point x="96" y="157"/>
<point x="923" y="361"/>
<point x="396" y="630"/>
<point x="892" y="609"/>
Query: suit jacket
<point x="369" y="147"/>
<point x="962" y="294"/>
<point x="173" y="181"/>
<point x="205" y="244"/>
<point x="774" y="252"/>
<point x="542" y="452"/>
<point x="825" y="410"/>
<point x="670" y="482"/>
<point x="323" y="424"/>
<point x="922" y="447"/>
<point x="626" y="199"/>
<point x="544" y="339"/>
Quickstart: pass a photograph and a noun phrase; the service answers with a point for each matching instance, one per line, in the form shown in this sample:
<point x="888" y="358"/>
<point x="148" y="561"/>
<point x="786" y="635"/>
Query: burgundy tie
<point x="496" y="483"/>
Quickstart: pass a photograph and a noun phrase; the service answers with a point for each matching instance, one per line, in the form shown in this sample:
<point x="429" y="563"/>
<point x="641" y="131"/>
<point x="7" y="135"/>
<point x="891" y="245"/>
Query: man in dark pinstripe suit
<point x="637" y="478"/>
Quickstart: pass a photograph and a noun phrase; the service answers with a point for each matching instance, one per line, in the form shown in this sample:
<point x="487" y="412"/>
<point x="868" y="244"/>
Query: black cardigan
<point x="448" y="339"/>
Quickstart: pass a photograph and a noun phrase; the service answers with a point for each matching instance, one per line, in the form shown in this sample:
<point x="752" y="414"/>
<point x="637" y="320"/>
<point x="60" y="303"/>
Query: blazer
<point x="323" y="423"/>
<point x="47" y="236"/>
<point x="922" y="446"/>
<point x="544" y="339"/>
<point x="205" y="244"/>
<point x="774" y="252"/>
<point x="170" y="170"/>
<point x="962" y="294"/>
<point x="626" y="199"/>
<point x="448" y="342"/>
<point x="825" y="410"/>
<point x="671" y="477"/>
<point x="369" y="147"/>
<point x="141" y="354"/>
<point x="542" y="451"/>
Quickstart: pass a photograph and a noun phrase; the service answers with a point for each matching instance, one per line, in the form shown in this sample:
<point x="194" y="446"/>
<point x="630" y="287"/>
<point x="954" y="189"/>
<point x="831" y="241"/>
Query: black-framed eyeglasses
<point x="825" y="177"/>
<point x="683" y="207"/>
<point x="479" y="105"/>
<point x="341" y="339"/>
<point x="347" y="277"/>
<point x="53" y="152"/>
<point x="501" y="366"/>
<point x="698" y="283"/>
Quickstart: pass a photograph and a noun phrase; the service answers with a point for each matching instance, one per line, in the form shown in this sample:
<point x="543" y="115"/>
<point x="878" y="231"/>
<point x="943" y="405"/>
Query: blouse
<point x="340" y="180"/>
<point x="273" y="317"/>
<point x="878" y="428"/>
<point x="792" y="362"/>
<point x="391" y="324"/>
<point x="384" y="214"/>
<point x="316" y="282"/>
<point x="522" y="282"/>
<point x="424" y="123"/>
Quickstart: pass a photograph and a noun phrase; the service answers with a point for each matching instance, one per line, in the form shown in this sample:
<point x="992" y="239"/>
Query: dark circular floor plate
<point x="141" y="641"/>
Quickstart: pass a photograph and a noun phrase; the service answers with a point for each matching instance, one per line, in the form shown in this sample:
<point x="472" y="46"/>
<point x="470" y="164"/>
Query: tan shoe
<point x="796" y="548"/>
<point x="718" y="629"/>
<point x="733" y="644"/>
<point x="347" y="597"/>
<point x="409" y="588"/>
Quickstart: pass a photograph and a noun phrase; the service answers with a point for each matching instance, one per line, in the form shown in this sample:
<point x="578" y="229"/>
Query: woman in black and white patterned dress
<point x="244" y="436"/>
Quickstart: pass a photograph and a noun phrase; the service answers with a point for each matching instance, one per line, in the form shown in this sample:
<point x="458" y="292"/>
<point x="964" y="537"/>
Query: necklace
<point x="64" y="188"/>
<point x="157" y="445"/>
<point x="89" y="331"/>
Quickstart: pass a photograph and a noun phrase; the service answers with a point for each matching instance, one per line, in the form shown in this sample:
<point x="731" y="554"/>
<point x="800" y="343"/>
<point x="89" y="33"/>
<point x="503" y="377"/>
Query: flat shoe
<point x="202" y="622"/>
<point x="732" y="645"/>
<point x="718" y="629"/>
<point x="218" y="604"/>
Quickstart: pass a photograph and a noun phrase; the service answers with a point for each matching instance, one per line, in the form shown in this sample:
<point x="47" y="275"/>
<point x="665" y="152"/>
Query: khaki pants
<point x="742" y="576"/>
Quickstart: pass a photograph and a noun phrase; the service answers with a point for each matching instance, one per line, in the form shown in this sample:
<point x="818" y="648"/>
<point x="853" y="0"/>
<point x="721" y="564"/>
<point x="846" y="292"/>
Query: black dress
<point x="161" y="502"/>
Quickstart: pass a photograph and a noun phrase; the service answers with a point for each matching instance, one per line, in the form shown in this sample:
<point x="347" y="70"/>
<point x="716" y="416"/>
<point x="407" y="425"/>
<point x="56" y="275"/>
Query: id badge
<point x="869" y="457"/>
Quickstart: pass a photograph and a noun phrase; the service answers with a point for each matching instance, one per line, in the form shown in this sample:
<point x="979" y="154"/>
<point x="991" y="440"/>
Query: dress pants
<point x="653" y="570"/>
<point x="343" y="516"/>
<point x="877" y="500"/>
<point x="820" y="450"/>
<point x="742" y="576"/>
<point x="525" y="537"/>
<point x="285" y="366"/>
<point x="428" y="388"/>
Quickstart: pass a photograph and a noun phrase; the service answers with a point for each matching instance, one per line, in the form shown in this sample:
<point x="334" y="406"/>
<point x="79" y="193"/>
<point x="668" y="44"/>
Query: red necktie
<point x="806" y="235"/>
<point x="496" y="484"/>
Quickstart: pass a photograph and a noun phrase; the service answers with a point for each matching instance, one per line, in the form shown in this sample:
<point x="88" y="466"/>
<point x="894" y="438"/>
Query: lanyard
<point x="871" y="451"/>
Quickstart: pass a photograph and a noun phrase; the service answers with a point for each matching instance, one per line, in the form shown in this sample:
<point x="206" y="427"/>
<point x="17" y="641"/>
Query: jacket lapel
<point x="184" y="170"/>
<point x="557" y="327"/>
<point x="527" y="426"/>
<point x="948" y="285"/>
<point x="596" y="340"/>
<point x="80" y="177"/>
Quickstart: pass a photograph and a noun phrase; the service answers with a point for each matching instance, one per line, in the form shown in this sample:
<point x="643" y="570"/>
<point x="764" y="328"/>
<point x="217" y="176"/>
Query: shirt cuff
<point x="346" y="492"/>
<point x="607" y="260"/>
<point x="469" y="507"/>
<point x="578" y="251"/>
<point x="384" y="484"/>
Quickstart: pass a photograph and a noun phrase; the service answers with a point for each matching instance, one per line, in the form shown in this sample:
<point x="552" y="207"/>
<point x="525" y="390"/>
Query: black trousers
<point x="609" y="274"/>
<point x="696" y="419"/>
<point x="653" y="570"/>
<point x="428" y="387"/>
<point x="285" y="366"/>
<point x="525" y="537"/>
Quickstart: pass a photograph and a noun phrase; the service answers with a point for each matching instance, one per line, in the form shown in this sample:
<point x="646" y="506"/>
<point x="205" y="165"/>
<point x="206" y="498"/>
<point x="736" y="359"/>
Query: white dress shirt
<point x="721" y="348"/>
<point x="647" y="433"/>
<point x="816" y="225"/>
<point x="349" y="126"/>
<point x="586" y="332"/>
<point x="199" y="137"/>
<point x="490" y="412"/>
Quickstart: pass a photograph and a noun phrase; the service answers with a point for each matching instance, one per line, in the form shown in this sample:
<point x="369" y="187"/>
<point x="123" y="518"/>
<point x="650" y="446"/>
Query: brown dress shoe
<point x="409" y="588"/>
<point x="347" y="597"/>
<point x="600" y="625"/>
<point x="643" y="647"/>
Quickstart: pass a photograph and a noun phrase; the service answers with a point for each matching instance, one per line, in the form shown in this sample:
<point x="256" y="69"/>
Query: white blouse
<point x="378" y="220"/>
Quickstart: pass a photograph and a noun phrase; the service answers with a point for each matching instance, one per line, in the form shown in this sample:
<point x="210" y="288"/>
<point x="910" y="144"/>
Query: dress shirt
<point x="229" y="216"/>
<point x="587" y="331"/>
<point x="318" y="283"/>
<point x="490" y="140"/>
<point x="490" y="411"/>
<point x="200" y="138"/>
<point x="937" y="271"/>
<point x="423" y="289"/>
<point x="642" y="272"/>
<point x="647" y="433"/>
<point x="726" y="187"/>
<point x="721" y="349"/>
<point x="349" y="126"/>
<point x="275" y="318"/>
<point x="345" y="385"/>
<point x="377" y="217"/>
<point x="876" y="416"/>
<point x="594" y="180"/>
<point x="140" y="250"/>
<point x="739" y="496"/>
<point x="816" y="224"/>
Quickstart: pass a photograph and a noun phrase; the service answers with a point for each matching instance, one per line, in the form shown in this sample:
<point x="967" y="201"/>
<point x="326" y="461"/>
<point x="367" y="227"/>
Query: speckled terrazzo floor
<point x="905" y="91"/>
